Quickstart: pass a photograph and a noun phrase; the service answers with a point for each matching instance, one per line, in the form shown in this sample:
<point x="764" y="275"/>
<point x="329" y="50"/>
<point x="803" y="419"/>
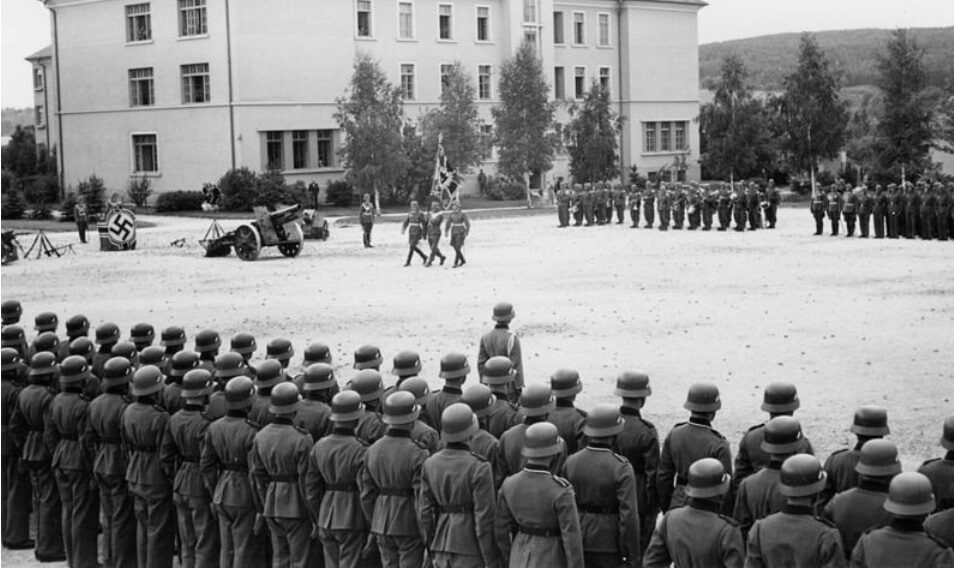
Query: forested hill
<point x="855" y="53"/>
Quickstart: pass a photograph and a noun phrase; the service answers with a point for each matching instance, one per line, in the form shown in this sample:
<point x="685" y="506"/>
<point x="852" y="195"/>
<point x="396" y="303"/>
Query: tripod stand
<point x="43" y="246"/>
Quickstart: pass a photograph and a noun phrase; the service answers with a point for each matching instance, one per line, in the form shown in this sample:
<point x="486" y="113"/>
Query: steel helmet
<point x="871" y="421"/>
<point x="878" y="458"/>
<point x="183" y="362"/>
<point x="319" y="376"/>
<point x="346" y="406"/>
<point x="909" y="495"/>
<point x="503" y="312"/>
<point x="142" y="334"/>
<point x="152" y="355"/>
<point x="172" y="335"/>
<point x="479" y="398"/>
<point x="802" y="475"/>
<point x="107" y="333"/>
<point x="406" y="364"/>
<point x="368" y="384"/>
<point x="46" y="321"/>
<point x="279" y="348"/>
<point x="542" y="440"/>
<point x="46" y="341"/>
<point x="416" y="386"/>
<point x="197" y="383"/>
<point x="42" y="364"/>
<point x="537" y="400"/>
<point x="400" y="408"/>
<point x="632" y="384"/>
<point x="703" y="397"/>
<point x="269" y="373"/>
<point x="783" y="435"/>
<point x="366" y="357"/>
<point x="458" y="423"/>
<point x="780" y="397"/>
<point x="603" y="421"/>
<point x="565" y="383"/>
<point x="707" y="478"/>
<point x="228" y="365"/>
<point x="317" y="353"/>
<point x="454" y="366"/>
<point x="116" y="371"/>
<point x="285" y="399"/>
<point x="207" y="340"/>
<point x="243" y="343"/>
<point x="238" y="392"/>
<point x="77" y="326"/>
<point x="498" y="371"/>
<point x="146" y="380"/>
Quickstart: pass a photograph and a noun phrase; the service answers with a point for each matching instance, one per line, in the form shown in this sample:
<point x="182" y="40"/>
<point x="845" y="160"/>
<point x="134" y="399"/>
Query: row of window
<point x="407" y="22"/>
<point x="579" y="82"/>
<point x="665" y="136"/>
<point x="578" y="29"/>
<point x="409" y="80"/>
<point x="310" y="149"/>
<point x="193" y="20"/>
<point x="194" y="79"/>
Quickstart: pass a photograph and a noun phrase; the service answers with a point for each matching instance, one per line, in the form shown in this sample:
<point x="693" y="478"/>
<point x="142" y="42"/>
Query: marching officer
<point x="904" y="542"/>
<point x="369" y="385"/>
<point x="498" y="375"/>
<point x="277" y="464"/>
<point x="536" y="403"/>
<point x="29" y="424"/>
<point x="366" y="218"/>
<point x="480" y="399"/>
<point x="268" y="374"/>
<point x="333" y="485"/>
<point x="414" y="226"/>
<point x="870" y="422"/>
<point x="433" y="231"/>
<point x="941" y="470"/>
<point x="500" y="341"/>
<point x="860" y="508"/>
<point x="141" y="335"/>
<point x="456" y="504"/>
<point x="697" y="535"/>
<point x="110" y="463"/>
<point x="144" y="426"/>
<point x="314" y="414"/>
<point x="182" y="446"/>
<point x="895" y="211"/>
<point x="225" y="470"/>
<point x="537" y="520"/>
<point x="649" y="207"/>
<point x="565" y="385"/>
<point x="833" y="202"/>
<point x="794" y="536"/>
<point x="390" y="484"/>
<point x="605" y="493"/>
<point x="865" y="207"/>
<point x="182" y="362"/>
<point x="458" y="227"/>
<point x="454" y="371"/>
<point x="689" y="442"/>
<point x="17" y="496"/>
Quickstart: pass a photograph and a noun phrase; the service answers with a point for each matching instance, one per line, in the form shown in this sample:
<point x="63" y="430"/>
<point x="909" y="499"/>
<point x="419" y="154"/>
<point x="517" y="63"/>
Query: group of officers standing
<point x="746" y="204"/>
<point x="923" y="210"/>
<point x="204" y="455"/>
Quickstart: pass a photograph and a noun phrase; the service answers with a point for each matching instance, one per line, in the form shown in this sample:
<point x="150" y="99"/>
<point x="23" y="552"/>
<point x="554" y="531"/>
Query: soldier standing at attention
<point x="457" y="500"/>
<point x="537" y="521"/>
<point x="414" y="226"/>
<point x="911" y="204"/>
<point x="268" y="375"/>
<point x="500" y="341"/>
<point x="895" y="211"/>
<point x="710" y="203"/>
<point x="941" y="470"/>
<point x="664" y="205"/>
<point x="458" y="227"/>
<point x="818" y="208"/>
<point x="565" y="385"/>
<point x="619" y="201"/>
<point x="107" y="335"/>
<point x="81" y="216"/>
<point x="369" y="386"/>
<point x="879" y="209"/>
<point x="928" y="203"/>
<point x="563" y="207"/>
<point x="10" y="312"/>
<point x="182" y="446"/>
<point x="391" y="483"/>
<point x="434" y="219"/>
<point x="605" y="493"/>
<point x="366" y="218"/>
<point x="752" y="205"/>
<point x="725" y="208"/>
<point x="536" y="403"/>
<point x="77" y="326"/>
<point x="697" y="535"/>
<point x="332" y="486"/>
<point x="689" y="442"/>
<point x="144" y="427"/>
<point x="850" y="210"/>
<point x="576" y="205"/>
<point x="16" y="478"/>
<point x="694" y="208"/>
<point x="421" y="432"/>
<point x="173" y="338"/>
<point x="454" y="371"/>
<point x="904" y="542"/>
<point x="678" y="208"/>
<point x="589" y="199"/>
<point x="314" y="414"/>
<point x="739" y="207"/>
<point x="833" y="201"/>
<point x="794" y="536"/>
<point x="224" y="465"/>
<point x="479" y="399"/>
<point x="870" y="422"/>
<point x="942" y="212"/>
<point x="774" y="199"/>
<point x="649" y="207"/>
<point x="498" y="375"/>
<point x="865" y="204"/>
<point x="635" y="195"/>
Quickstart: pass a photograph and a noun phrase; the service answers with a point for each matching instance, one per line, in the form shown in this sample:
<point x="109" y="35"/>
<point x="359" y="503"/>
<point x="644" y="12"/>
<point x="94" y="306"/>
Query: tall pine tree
<point x="594" y="150"/>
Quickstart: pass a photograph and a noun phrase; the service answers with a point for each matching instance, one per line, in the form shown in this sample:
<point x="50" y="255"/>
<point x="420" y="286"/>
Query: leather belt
<point x="235" y="467"/>
<point x="394" y="492"/>
<point x="148" y="448"/>
<point x="116" y="440"/>
<point x="594" y="509"/>
<point x="189" y="459"/>
<point x="537" y="531"/>
<point x="283" y="478"/>
<point x="346" y="487"/>
<point x="458" y="508"/>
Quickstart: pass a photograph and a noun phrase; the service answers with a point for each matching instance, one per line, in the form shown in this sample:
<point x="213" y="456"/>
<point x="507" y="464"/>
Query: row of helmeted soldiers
<point x="203" y="453"/>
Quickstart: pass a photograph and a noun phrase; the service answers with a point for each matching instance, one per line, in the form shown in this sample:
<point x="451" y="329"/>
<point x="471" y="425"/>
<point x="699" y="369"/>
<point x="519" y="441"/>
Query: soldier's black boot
<point x="410" y="254"/>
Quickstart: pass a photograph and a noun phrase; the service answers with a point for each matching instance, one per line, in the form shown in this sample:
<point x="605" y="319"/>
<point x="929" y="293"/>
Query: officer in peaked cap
<point x="332" y="484"/>
<point x="498" y="374"/>
<point x="198" y="535"/>
<point x="421" y="432"/>
<point x="279" y="462"/>
<point x="639" y="443"/>
<point x="244" y="344"/>
<point x="689" y="442"/>
<point x="794" y="536"/>
<point x="758" y="494"/>
<point x="367" y="357"/>
<point x="369" y="385"/>
<point x="182" y="362"/>
<point x="207" y="345"/>
<point x="565" y="385"/>
<point x="142" y="335"/>
<point x="107" y="335"/>
<point x="457" y="495"/>
<point x="536" y="404"/>
<point x="77" y="326"/>
<point x="500" y="341"/>
<point x="941" y="470"/>
<point x="605" y="489"/>
<point x="224" y="464"/>
<point x="314" y="414"/>
<point x="268" y="374"/>
<point x="870" y="422"/>
<point x="480" y="400"/>
<point x="10" y="312"/>
<point x="46" y="321"/>
<point x="537" y="519"/>
<point x="697" y="535"/>
<point x="454" y="371"/>
<point x="858" y="509"/>
<point x="389" y="482"/>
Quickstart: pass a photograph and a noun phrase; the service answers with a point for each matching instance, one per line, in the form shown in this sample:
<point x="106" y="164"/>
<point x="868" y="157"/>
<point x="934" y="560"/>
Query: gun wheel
<point x="247" y="243"/>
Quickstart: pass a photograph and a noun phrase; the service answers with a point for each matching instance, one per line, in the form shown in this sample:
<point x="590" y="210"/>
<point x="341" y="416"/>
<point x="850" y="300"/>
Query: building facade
<point x="182" y="90"/>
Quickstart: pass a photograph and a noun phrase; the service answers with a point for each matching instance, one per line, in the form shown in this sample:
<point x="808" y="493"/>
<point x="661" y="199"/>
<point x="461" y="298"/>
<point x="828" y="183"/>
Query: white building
<point x="183" y="90"/>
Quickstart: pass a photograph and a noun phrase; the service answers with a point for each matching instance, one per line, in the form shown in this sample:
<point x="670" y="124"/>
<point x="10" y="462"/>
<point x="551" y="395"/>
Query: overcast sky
<point x="25" y="26"/>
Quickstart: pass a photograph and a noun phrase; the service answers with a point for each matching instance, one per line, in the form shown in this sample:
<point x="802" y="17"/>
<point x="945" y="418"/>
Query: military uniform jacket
<point x="850" y="202"/>
<point x="314" y="417"/>
<point x="8" y="404"/>
<point x="501" y="341"/>
<point x="941" y="473"/>
<point x="758" y="497"/>
<point x="639" y="443"/>
<point x="569" y="421"/>
<point x="941" y="525"/>
<point x="509" y="458"/>
<point x="104" y="431"/>
<point x="370" y="428"/>
<point x="537" y="521"/>
<point x="66" y="432"/>
<point x="793" y="537"/>
<point x="366" y="213"/>
<point x="391" y="482"/>
<point x="437" y="401"/>
<point x="143" y="431"/>
<point x="259" y="412"/>
<point x="425" y="436"/>
<point x="686" y="443"/>
<point x="833" y="202"/>
<point x="879" y="203"/>
<point x="865" y="204"/>
<point x="501" y="416"/>
<point x="695" y="537"/>
<point x="182" y="446"/>
<point x="605" y="489"/>
<point x="333" y="482"/>
<point x="171" y="396"/>
<point x="855" y="511"/>
<point x="434" y="224"/>
<point x="895" y="204"/>
<point x="414" y="223"/>
<point x="278" y="463"/>
<point x="891" y="547"/>
<point x="840" y="467"/>
<point x="752" y="457"/>
<point x="224" y="462"/>
<point x="457" y="504"/>
<point x="29" y="422"/>
<point x="485" y="446"/>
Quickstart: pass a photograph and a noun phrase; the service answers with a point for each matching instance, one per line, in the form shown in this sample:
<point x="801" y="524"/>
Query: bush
<point x="313" y="189"/>
<point x="40" y="193"/>
<point x="94" y="190"/>
<point x="179" y="201"/>
<point x="499" y="189"/>
<point x="340" y="192"/>
<point x="67" y="208"/>
<point x="238" y="189"/>
<point x="139" y="191"/>
<point x="12" y="206"/>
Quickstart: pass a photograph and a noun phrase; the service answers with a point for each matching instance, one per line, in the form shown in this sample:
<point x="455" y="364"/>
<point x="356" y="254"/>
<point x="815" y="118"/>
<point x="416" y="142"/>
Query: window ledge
<point x="41" y="126"/>
<point x="203" y="103"/>
<point x="192" y="37"/>
<point x="145" y="174"/>
<point x="329" y="169"/>
<point x="446" y="41"/>
<point x="481" y="41"/>
<point x="365" y="38"/>
<point x="579" y="45"/>
<point x="143" y="42"/>
<point x="604" y="47"/>
<point x="667" y="152"/>
<point x="406" y="39"/>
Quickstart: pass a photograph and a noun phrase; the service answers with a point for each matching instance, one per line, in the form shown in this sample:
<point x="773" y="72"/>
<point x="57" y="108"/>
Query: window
<point x="579" y="28"/>
<point x="138" y="23"/>
<point x="300" y="149"/>
<point x="605" y="78"/>
<point x="649" y="136"/>
<point x="487" y="133"/>
<point x="275" y="150"/>
<point x="483" y="81"/>
<point x="579" y="82"/>
<point x="192" y="18"/>
<point x="40" y="118"/>
<point x="530" y="36"/>
<point x="558" y="27"/>
<point x="326" y="153"/>
<point x="529" y="11"/>
<point x="407" y="81"/>
<point x="445" y="76"/>
<point x="405" y="20"/>
<point x="604" y="30"/>
<point x="141" y="91"/>
<point x="145" y="153"/>
<point x="445" y="14"/>
<point x="559" y="83"/>
<point x="195" y="83"/>
<point x="37" y="78"/>
<point x="483" y="23"/>
<point x="364" y="18"/>
<point x="681" y="136"/>
<point x="665" y="137"/>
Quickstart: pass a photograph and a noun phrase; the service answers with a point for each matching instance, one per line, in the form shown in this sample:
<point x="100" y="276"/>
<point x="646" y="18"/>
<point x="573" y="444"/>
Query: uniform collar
<point x="711" y="505"/>
<point x="343" y="431"/>
<point x="877" y="484"/>
<point x="398" y="433"/>
<point x="452" y="390"/>
<point x="502" y="325"/>
<point x="797" y="509"/>
<point x="534" y="468"/>
<point x="458" y="446"/>
<point x="700" y="422"/>
<point x="629" y="411"/>
<point x="564" y="403"/>
<point x="597" y="446"/>
<point x="907" y="524"/>
<point x="283" y="421"/>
